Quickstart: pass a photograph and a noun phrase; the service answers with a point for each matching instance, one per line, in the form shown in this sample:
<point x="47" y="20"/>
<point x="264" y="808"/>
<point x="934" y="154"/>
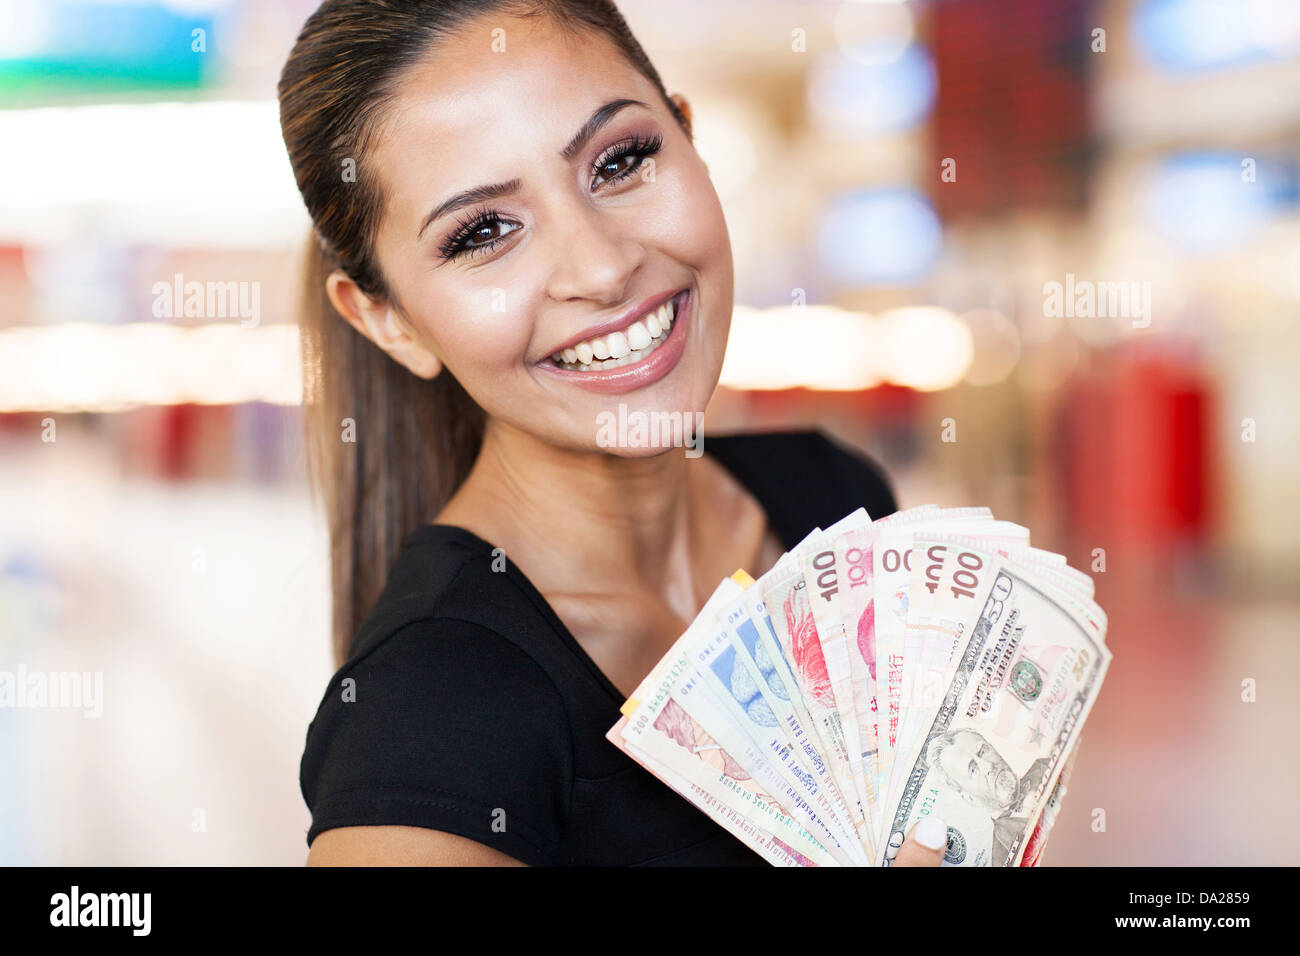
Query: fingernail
<point x="932" y="833"/>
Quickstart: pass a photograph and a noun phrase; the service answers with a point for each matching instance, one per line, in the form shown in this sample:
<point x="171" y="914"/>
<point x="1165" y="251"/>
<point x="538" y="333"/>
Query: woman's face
<point x="574" y="255"/>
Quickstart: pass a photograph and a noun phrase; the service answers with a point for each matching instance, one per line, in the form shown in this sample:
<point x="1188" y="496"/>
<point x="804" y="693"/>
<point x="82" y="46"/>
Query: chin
<point x="639" y="453"/>
<point x="643" y="430"/>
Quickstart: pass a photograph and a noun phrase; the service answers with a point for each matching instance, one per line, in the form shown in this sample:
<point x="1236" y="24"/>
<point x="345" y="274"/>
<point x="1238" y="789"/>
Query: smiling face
<point x="519" y="293"/>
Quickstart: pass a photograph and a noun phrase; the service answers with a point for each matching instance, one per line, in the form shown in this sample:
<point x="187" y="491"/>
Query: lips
<point x="622" y="322"/>
<point x="638" y="368"/>
<point x="623" y="346"/>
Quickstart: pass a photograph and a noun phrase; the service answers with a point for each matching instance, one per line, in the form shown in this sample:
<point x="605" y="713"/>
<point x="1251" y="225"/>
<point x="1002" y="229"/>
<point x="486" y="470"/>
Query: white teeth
<point x="638" y="336"/>
<point x="618" y="346"/>
<point x="617" y="349"/>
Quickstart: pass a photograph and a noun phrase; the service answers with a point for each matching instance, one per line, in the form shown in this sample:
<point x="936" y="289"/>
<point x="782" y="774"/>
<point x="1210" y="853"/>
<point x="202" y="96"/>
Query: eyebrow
<point x="478" y="194"/>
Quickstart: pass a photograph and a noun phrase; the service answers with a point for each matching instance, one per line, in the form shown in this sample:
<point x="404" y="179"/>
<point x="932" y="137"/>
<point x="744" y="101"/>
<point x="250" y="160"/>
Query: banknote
<point x="790" y="611"/>
<point x="1026" y="678"/>
<point x="932" y="663"/>
<point x="656" y="732"/>
<point x="821" y="583"/>
<point x="723" y="691"/>
<point x="757" y="678"/>
<point x="1033" y="851"/>
<point x="932" y="637"/>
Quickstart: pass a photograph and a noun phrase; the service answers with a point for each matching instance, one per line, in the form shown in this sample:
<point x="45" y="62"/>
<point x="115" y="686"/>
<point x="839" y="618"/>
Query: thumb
<point x="925" y="845"/>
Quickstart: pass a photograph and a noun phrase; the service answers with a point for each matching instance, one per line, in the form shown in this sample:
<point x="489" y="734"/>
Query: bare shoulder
<point x="401" y="846"/>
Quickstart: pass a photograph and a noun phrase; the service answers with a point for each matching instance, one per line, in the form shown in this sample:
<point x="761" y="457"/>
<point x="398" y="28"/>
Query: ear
<point x="381" y="323"/>
<point x="684" y="105"/>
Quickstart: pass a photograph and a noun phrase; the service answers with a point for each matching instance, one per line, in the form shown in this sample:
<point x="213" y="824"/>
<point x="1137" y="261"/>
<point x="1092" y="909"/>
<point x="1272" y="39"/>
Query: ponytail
<point x="385" y="448"/>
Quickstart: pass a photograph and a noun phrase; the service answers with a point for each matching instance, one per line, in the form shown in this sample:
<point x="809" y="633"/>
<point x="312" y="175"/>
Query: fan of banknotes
<point x="930" y="663"/>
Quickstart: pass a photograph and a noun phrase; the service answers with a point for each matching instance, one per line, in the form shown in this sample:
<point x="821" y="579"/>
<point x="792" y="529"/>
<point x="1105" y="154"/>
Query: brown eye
<point x="619" y="166"/>
<point x="484" y="231"/>
<point x="623" y="159"/>
<point x="484" y="234"/>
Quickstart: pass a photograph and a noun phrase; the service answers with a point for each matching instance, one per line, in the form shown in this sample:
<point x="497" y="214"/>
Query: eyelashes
<point x="462" y="242"/>
<point x="458" y="243"/>
<point x="634" y="146"/>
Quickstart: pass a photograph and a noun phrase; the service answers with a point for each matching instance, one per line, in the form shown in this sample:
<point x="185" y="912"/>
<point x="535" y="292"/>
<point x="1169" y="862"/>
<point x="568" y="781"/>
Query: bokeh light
<point x="879" y="236"/>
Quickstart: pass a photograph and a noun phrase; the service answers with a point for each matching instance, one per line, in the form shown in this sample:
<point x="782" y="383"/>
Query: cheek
<point x="479" y="332"/>
<point x="692" y="226"/>
<point x="697" y="237"/>
<point x="476" y="327"/>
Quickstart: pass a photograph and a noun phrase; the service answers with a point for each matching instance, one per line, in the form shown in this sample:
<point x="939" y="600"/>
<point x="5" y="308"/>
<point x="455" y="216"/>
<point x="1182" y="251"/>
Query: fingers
<point x="924" y="846"/>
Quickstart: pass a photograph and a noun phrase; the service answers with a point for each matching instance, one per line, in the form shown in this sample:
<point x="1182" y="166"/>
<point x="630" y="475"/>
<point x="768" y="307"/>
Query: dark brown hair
<point x="413" y="440"/>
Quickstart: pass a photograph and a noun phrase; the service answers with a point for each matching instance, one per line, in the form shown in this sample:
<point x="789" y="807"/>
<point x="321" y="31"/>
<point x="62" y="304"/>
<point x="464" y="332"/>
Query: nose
<point x="595" y="255"/>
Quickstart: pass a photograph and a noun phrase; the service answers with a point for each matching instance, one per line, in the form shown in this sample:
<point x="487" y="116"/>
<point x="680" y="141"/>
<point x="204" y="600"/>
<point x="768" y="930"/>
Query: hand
<point x="924" y="846"/>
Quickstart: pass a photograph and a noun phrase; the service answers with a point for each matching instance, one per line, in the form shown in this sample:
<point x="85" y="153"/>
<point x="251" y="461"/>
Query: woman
<point x="516" y="236"/>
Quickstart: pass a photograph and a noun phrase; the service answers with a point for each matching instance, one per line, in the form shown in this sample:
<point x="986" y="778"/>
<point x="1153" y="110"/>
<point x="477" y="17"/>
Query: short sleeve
<point x="448" y="725"/>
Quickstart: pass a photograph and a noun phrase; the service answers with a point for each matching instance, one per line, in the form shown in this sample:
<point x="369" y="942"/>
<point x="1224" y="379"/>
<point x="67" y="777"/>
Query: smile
<point x="625" y="347"/>
<point x="641" y="353"/>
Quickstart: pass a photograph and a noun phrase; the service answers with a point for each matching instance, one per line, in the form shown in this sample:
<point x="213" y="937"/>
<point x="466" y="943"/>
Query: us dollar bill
<point x="1029" y="672"/>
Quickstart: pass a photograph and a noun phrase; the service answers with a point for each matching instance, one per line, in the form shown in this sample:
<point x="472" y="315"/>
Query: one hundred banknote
<point x="931" y="663"/>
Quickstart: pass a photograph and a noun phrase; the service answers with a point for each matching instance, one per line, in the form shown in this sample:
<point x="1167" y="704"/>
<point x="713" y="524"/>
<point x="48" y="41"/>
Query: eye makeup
<point x="617" y="162"/>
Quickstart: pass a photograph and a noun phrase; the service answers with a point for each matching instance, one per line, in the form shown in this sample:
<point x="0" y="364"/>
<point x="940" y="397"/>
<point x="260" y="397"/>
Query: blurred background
<point x="1040" y="255"/>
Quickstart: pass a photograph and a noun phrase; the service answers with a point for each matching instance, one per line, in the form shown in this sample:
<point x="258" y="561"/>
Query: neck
<point x="600" y="519"/>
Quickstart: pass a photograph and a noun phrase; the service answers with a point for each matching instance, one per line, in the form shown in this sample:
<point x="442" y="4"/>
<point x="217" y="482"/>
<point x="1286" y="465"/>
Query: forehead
<point x="470" y="113"/>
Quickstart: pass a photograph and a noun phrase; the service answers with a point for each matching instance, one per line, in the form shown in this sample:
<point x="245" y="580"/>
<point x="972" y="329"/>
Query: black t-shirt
<point x="473" y="710"/>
